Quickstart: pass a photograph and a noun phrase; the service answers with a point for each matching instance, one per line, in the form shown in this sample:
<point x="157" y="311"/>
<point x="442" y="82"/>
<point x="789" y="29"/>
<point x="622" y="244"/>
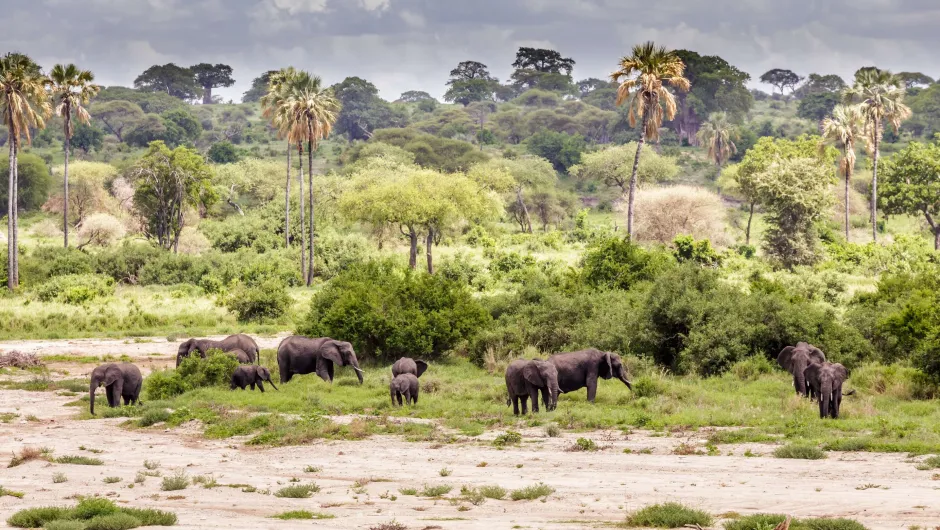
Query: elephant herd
<point x="526" y="380"/>
<point x="814" y="377"/>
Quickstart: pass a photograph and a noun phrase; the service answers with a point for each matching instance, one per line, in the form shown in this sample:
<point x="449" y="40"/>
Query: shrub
<point x="507" y="438"/>
<point x="267" y="301"/>
<point x="78" y="460"/>
<point x="152" y="416"/>
<point x="47" y="228"/>
<point x="64" y="525"/>
<point x="34" y="182"/>
<point x="100" y="229"/>
<point x="619" y="264"/>
<point x="388" y="312"/>
<point x="215" y="370"/>
<point x="117" y="521"/>
<point x="93" y="507"/>
<point x="164" y="384"/>
<point x="223" y="153"/>
<point x="493" y="492"/>
<point x="700" y="252"/>
<point x="800" y="451"/>
<point x="297" y="491"/>
<point x="761" y="521"/>
<point x="302" y="514"/>
<point x="175" y="482"/>
<point x="193" y="242"/>
<point x="584" y="444"/>
<point x="436" y="491"/>
<point x="37" y="517"/>
<point x="531" y="493"/>
<point x="75" y="288"/>
<point x="668" y="515"/>
<point x="661" y="214"/>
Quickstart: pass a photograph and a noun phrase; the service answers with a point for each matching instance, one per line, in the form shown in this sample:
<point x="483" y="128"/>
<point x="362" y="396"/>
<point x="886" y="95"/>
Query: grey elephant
<point x="526" y="379"/>
<point x="120" y="381"/>
<point x="407" y="365"/>
<point x="251" y="375"/>
<point x="826" y="381"/>
<point x="240" y="356"/>
<point x="232" y="342"/>
<point x="404" y="385"/>
<point x="795" y="359"/>
<point x="302" y="355"/>
<point x="581" y="369"/>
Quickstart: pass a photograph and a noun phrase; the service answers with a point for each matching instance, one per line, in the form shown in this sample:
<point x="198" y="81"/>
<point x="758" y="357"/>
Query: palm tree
<point x="312" y="111"/>
<point x="270" y="103"/>
<point x="642" y="76"/>
<point x="881" y="97"/>
<point x="843" y="129"/>
<point x="24" y="103"/>
<point x="719" y="134"/>
<point x="72" y="89"/>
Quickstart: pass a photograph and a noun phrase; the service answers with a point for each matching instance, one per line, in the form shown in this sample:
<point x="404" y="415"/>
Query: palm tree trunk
<point x="65" y="196"/>
<point x="427" y="250"/>
<point x="15" y="269"/>
<point x="874" y="184"/>
<point x="848" y="179"/>
<point x="11" y="283"/>
<point x="310" y="269"/>
<point x="525" y="211"/>
<point x="303" y="241"/>
<point x="287" y="203"/>
<point x="636" y="168"/>
<point x="747" y="232"/>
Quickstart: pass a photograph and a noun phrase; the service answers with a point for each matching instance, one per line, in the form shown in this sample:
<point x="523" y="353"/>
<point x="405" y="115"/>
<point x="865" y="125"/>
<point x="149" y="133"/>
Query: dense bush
<point x="194" y="372"/>
<point x="75" y="288"/>
<point x="34" y="182"/>
<point x="90" y="513"/>
<point x="388" y="312"/>
<point x="263" y="301"/>
<point x="619" y="264"/>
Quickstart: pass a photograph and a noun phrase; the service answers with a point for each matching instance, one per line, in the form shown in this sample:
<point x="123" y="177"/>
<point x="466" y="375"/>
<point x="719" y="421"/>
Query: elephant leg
<point x="252" y="386"/>
<point x="544" y="392"/>
<point x="515" y="406"/>
<point x="398" y="395"/>
<point x="261" y="387"/>
<point x="391" y="395"/>
<point x="525" y="404"/>
<point x="127" y="400"/>
<point x="534" y="396"/>
<point x="329" y="370"/>
<point x="591" y="389"/>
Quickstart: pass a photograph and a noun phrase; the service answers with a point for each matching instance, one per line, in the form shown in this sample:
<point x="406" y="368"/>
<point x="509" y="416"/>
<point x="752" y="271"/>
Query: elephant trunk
<point x="825" y="398"/>
<point x="272" y="384"/>
<point x="623" y="377"/>
<point x="799" y="381"/>
<point x="91" y="393"/>
<point x="355" y="366"/>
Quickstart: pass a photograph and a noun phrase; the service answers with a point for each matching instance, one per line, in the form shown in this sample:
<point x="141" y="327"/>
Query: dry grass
<point x="15" y="359"/>
<point x="28" y="454"/>
<point x="664" y="213"/>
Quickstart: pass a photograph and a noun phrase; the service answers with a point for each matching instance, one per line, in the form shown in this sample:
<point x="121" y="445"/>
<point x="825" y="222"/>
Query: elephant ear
<point x="111" y="376"/>
<point x="840" y="371"/>
<point x="422" y="367"/>
<point x="785" y="358"/>
<point x="605" y="369"/>
<point x="330" y="352"/>
<point x="816" y="355"/>
<point x="532" y="374"/>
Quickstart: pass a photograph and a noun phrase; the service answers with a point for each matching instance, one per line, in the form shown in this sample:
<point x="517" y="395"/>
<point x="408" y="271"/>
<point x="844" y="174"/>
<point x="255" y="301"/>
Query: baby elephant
<point x="404" y="385"/>
<point x="241" y="356"/>
<point x="825" y="380"/>
<point x="251" y="375"/>
<point x="525" y="379"/>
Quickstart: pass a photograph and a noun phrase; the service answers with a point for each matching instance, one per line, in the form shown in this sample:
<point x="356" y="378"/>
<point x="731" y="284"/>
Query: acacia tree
<point x="517" y="176"/>
<point x="642" y="77"/>
<point x="72" y="89"/>
<point x="718" y="135"/>
<point x="470" y="81"/>
<point x="169" y="78"/>
<point x="118" y="116"/>
<point x="881" y="99"/>
<point x="781" y="79"/>
<point x="167" y="181"/>
<point x="24" y="104"/>
<point x="212" y="76"/>
<point x="842" y="130"/>
<point x="614" y="167"/>
<point x="912" y="185"/>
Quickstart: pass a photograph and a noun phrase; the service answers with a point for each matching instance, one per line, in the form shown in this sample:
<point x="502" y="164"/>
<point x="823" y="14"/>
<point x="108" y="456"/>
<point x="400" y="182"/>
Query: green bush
<point x="263" y="302"/>
<point x="687" y="249"/>
<point x="619" y="264"/>
<point x="215" y="370"/>
<point x="63" y="524"/>
<point x="151" y="517"/>
<point x="764" y="521"/>
<point x="117" y="521"/>
<point x="297" y="491"/>
<point x="164" y="384"/>
<point x="800" y="451"/>
<point x="34" y="182"/>
<point x="90" y="513"/>
<point x="530" y="493"/>
<point x="387" y="312"/>
<point x="48" y="262"/>
<point x="93" y="507"/>
<point x="37" y="517"/>
<point x="668" y="515"/>
<point x="75" y="288"/>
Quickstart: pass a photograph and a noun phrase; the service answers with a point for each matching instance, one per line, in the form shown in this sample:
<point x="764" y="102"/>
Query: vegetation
<point x="90" y="513"/>
<point x="668" y="515"/>
<point x="800" y="451"/>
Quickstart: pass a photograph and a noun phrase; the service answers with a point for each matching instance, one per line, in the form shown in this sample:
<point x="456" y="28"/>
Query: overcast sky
<point x="412" y="44"/>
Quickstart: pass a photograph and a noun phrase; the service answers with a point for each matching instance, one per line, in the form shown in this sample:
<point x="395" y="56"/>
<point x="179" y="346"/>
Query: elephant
<point x="240" y="356"/>
<point x="406" y="365"/>
<point x="826" y="381"/>
<point x="230" y="343"/>
<point x="581" y="369"/>
<point x="303" y="355"/>
<point x="795" y="359"/>
<point x="525" y="379"/>
<point x="251" y="375"/>
<point x="119" y="380"/>
<point x="404" y="385"/>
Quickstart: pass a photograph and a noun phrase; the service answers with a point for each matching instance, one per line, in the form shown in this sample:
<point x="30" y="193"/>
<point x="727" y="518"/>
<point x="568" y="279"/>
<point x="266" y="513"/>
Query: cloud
<point x="412" y="44"/>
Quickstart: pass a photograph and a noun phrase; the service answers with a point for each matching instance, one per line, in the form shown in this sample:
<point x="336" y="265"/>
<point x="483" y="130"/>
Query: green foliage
<point x="687" y="249"/>
<point x="263" y="302"/>
<point x="530" y="493"/>
<point x="614" y="167"/>
<point x="175" y="482"/>
<point x="388" y="312"/>
<point x="64" y="525"/>
<point x="223" y="153"/>
<point x="584" y="444"/>
<point x="34" y="182"/>
<point x="435" y="490"/>
<point x="764" y="521"/>
<point x="75" y="288"/>
<point x="911" y="185"/>
<point x="78" y="460"/>
<point x="432" y="152"/>
<point x="799" y="451"/>
<point x="668" y="515"/>
<point x="302" y="515"/>
<point x="561" y="149"/>
<point x="619" y="264"/>
<point x="194" y="372"/>
<point x="818" y="106"/>
<point x="117" y="521"/>
<point x="507" y="438"/>
<point x="88" y="138"/>
<point x="297" y="491"/>
<point x="37" y="517"/>
<point x="90" y="513"/>
<point x="363" y="111"/>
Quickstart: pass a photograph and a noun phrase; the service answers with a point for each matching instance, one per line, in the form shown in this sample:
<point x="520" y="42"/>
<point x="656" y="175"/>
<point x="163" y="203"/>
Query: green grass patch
<point x="763" y="521"/>
<point x="800" y="451"/>
<point x="435" y="490"/>
<point x="4" y="492"/>
<point x="668" y="515"/>
<point x="530" y="493"/>
<point x="302" y="514"/>
<point x="297" y="491"/>
<point x="90" y="513"/>
<point x="932" y="462"/>
<point x="78" y="460"/>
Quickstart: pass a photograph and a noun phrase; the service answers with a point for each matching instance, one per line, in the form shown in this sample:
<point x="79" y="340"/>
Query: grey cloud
<point x="412" y="44"/>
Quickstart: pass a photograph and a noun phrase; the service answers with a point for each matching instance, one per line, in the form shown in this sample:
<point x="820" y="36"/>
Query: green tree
<point x="781" y="79"/>
<point x="24" y="104"/>
<point x="363" y="111"/>
<point x="223" y="153"/>
<point x="914" y="79"/>
<point x="259" y="87"/>
<point x="912" y="185"/>
<point x="716" y="86"/>
<point x="524" y="174"/>
<point x="642" y="77"/>
<point x="843" y="130"/>
<point x="544" y="69"/>
<point x="718" y="136"/>
<point x="88" y="138"/>
<point x="614" y="167"/>
<point x="166" y="183"/>
<point x="185" y="120"/>
<point x="882" y="101"/>
<point x="470" y="81"/>
<point x="71" y="89"/>
<point x="818" y="84"/>
<point x="174" y="80"/>
<point x="796" y="195"/>
<point x="118" y="116"/>
<point x="34" y="183"/>
<point x="561" y="149"/>
<point x="212" y="76"/>
<point x="414" y="96"/>
<point x="817" y="105"/>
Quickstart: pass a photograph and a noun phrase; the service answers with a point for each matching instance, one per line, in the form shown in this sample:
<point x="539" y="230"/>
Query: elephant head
<point x="265" y="375"/>
<point x="795" y="359"/>
<point x="610" y="366"/>
<point x="107" y="375"/>
<point x="341" y="353"/>
<point x="184" y="351"/>
<point x="827" y="379"/>
<point x="543" y="374"/>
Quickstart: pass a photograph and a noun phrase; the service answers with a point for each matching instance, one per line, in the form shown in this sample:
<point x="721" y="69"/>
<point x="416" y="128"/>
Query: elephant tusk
<point x="358" y="370"/>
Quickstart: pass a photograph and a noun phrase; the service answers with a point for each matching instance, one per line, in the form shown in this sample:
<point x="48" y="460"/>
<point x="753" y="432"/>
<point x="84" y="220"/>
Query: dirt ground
<point x="882" y="491"/>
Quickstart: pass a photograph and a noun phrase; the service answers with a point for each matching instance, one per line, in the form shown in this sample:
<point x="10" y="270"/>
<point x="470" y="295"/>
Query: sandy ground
<point x="591" y="488"/>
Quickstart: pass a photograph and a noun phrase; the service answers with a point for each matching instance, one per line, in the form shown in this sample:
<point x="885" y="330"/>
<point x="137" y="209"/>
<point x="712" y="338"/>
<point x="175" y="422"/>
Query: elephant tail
<point x="849" y="393"/>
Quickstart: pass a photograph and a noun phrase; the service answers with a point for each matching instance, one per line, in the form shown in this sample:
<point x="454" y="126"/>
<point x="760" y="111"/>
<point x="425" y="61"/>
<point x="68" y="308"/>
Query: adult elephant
<point x="826" y="381"/>
<point x="302" y="355"/>
<point x="795" y="359"/>
<point x="526" y="379"/>
<point x="119" y="380"/>
<point x="407" y="365"/>
<point x="581" y="369"/>
<point x="232" y="342"/>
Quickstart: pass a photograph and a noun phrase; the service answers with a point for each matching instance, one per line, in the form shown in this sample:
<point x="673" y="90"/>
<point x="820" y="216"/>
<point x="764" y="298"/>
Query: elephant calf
<point x="241" y="356"/>
<point x="119" y="380"/>
<point x="525" y="379"/>
<point x="404" y="385"/>
<point x="251" y="375"/>
<point x="826" y="380"/>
